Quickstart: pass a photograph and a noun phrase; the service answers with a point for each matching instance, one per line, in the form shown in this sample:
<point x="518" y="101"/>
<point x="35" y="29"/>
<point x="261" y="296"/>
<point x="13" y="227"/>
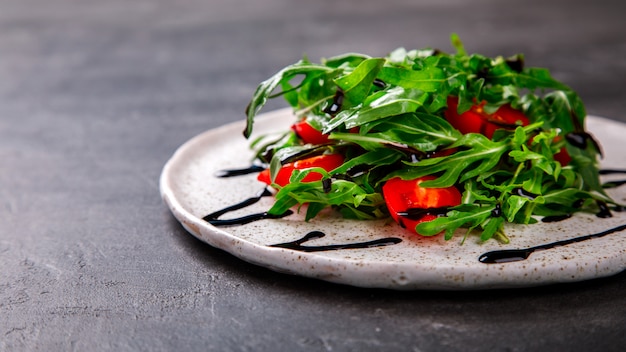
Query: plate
<point x="379" y="253"/>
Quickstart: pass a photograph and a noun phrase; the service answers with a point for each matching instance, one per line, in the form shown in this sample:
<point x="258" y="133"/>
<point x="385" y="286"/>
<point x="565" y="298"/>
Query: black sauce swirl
<point x="514" y="255"/>
<point x="297" y="244"/>
<point x="579" y="137"/>
<point x="239" y="172"/>
<point x="613" y="184"/>
<point x="213" y="217"/>
<point x="420" y="213"/>
<point x="515" y="63"/>
<point x="612" y="171"/>
<point x="556" y="218"/>
<point x="523" y="193"/>
<point x="334" y="108"/>
<point x="380" y="84"/>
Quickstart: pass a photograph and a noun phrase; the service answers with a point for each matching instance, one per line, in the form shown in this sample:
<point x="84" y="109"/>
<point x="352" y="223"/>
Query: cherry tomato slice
<point x="476" y="120"/>
<point x="410" y="204"/>
<point x="562" y="156"/>
<point x="327" y="162"/>
<point x="282" y="178"/>
<point x="308" y="134"/>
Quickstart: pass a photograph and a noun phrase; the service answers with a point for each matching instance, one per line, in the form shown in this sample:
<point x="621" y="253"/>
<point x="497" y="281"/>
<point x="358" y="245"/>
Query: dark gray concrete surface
<point x="95" y="96"/>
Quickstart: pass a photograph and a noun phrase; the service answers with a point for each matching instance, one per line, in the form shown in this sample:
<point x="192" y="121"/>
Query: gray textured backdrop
<point x="96" y="95"/>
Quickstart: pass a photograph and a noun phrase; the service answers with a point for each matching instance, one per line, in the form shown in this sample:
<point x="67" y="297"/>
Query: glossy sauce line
<point x="297" y="244"/>
<point x="213" y="217"/>
<point x="514" y="255"/>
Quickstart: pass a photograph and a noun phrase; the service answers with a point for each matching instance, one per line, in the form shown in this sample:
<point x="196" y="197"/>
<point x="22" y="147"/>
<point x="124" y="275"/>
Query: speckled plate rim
<point x="377" y="273"/>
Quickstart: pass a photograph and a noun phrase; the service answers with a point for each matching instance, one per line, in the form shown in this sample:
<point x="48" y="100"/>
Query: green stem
<point x="308" y="109"/>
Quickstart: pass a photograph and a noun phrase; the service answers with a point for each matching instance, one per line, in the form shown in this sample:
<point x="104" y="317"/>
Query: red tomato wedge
<point x="476" y="120"/>
<point x="327" y="162"/>
<point x="308" y="134"/>
<point x="562" y="156"/>
<point x="410" y="204"/>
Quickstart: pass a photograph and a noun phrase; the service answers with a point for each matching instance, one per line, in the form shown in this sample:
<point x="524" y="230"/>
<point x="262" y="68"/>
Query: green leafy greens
<point x="386" y="115"/>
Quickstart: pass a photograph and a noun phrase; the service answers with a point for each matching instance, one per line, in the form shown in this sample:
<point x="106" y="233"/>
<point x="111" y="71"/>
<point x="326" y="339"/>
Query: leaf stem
<point x="307" y="109"/>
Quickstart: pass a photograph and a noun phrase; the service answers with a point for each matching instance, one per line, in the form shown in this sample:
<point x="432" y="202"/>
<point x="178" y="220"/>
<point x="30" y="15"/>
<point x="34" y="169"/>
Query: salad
<point x="436" y="141"/>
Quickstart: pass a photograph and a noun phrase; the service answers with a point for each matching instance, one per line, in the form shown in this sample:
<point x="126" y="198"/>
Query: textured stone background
<point x="96" y="95"/>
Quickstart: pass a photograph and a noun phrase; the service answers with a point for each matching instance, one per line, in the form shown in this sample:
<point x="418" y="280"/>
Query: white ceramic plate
<point x="191" y="189"/>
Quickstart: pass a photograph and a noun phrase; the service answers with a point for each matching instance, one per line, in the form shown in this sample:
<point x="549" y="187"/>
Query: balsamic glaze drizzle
<point x="523" y="193"/>
<point x="336" y="104"/>
<point x="327" y="184"/>
<point x="612" y="171"/>
<point x="613" y="184"/>
<point x="297" y="244"/>
<point x="358" y="170"/>
<point x="379" y="83"/>
<point x="419" y="213"/>
<point x="556" y="218"/>
<point x="213" y="217"/>
<point x="514" y="255"/>
<point x="515" y="63"/>
<point x="605" y="211"/>
<point x="239" y="172"/>
<point x="248" y="219"/>
<point x="579" y="137"/>
<point x="497" y="211"/>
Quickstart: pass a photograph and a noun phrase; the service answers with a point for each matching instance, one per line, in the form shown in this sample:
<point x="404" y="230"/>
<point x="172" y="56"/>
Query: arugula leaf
<point x="469" y="216"/>
<point x="423" y="131"/>
<point x="357" y="85"/>
<point x="377" y="157"/>
<point x="389" y="102"/>
<point x="481" y="155"/>
<point x="343" y="193"/>
<point x="427" y="80"/>
<point x="458" y="45"/>
<point x="348" y="60"/>
<point x="265" y="89"/>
